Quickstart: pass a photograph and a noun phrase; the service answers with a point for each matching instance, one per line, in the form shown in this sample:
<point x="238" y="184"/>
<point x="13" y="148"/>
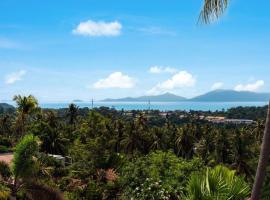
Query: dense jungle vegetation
<point x="124" y="155"/>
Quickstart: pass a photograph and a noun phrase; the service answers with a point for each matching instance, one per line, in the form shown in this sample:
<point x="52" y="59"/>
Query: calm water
<point x="204" y="106"/>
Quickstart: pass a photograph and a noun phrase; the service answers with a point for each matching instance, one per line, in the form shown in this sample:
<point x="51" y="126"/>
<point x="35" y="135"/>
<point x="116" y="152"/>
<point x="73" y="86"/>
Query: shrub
<point x="4" y="192"/>
<point x="3" y="149"/>
<point x="4" y="170"/>
<point x="23" y="161"/>
<point x="170" y="172"/>
<point x="218" y="183"/>
<point x="4" y="141"/>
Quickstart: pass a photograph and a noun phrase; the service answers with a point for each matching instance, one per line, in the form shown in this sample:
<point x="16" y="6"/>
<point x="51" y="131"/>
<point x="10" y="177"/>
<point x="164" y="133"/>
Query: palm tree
<point x="26" y="169"/>
<point x="242" y="152"/>
<point x="25" y="107"/>
<point x="5" y="125"/>
<point x="218" y="183"/>
<point x="72" y="113"/>
<point x="263" y="160"/>
<point x="185" y="141"/>
<point x="213" y="9"/>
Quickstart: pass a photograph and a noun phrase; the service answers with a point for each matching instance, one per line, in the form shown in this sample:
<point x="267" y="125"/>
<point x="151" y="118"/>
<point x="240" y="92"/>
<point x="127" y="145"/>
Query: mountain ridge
<point x="166" y="97"/>
<point x="212" y="96"/>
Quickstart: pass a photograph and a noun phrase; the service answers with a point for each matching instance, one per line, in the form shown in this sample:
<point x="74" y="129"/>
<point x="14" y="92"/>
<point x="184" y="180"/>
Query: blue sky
<point x="79" y="49"/>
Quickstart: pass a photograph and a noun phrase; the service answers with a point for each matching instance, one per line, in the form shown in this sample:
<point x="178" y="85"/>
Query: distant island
<point x="167" y="97"/>
<point x="213" y="96"/>
<point x="77" y="101"/>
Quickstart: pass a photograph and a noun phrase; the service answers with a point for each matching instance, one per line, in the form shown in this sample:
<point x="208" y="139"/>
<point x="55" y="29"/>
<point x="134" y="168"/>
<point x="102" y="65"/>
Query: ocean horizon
<point x="162" y="106"/>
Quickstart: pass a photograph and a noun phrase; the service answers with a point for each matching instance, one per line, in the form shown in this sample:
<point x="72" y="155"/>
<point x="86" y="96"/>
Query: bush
<point x="23" y="162"/>
<point x="158" y="171"/>
<point x="218" y="183"/>
<point x="4" y="149"/>
<point x="4" y="141"/>
<point x="4" y="170"/>
<point x="93" y="191"/>
<point x="4" y="192"/>
<point x="151" y="189"/>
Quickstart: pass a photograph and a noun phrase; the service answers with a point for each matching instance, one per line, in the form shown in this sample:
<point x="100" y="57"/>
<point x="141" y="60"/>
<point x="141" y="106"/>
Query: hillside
<point x="4" y="107"/>
<point x="213" y="96"/>
<point x="231" y="96"/>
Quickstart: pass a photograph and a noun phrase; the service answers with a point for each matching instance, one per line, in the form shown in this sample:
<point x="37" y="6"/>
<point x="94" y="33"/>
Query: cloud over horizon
<point x="96" y="29"/>
<point x="115" y="80"/>
<point x="250" y="87"/>
<point x="14" y="77"/>
<point x="181" y="79"/>
<point x="217" y="85"/>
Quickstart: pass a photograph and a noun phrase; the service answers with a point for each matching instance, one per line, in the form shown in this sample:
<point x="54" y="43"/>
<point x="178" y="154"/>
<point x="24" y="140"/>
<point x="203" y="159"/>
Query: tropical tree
<point x="25" y="107"/>
<point x="213" y="9"/>
<point x="23" y="163"/>
<point x="26" y="169"/>
<point x="72" y="113"/>
<point x="218" y="183"/>
<point x="132" y="140"/>
<point x="185" y="141"/>
<point x="5" y="125"/>
<point x="156" y="176"/>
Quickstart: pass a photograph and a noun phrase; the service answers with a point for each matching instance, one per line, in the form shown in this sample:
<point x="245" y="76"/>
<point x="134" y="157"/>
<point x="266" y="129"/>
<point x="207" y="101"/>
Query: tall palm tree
<point x="72" y="113"/>
<point x="25" y="107"/>
<point x="213" y="9"/>
<point x="185" y="141"/>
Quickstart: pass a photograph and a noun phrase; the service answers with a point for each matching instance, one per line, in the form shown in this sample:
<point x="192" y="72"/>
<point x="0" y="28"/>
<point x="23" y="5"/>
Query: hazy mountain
<point x="167" y="97"/>
<point x="6" y="108"/>
<point x="231" y="96"/>
<point x="77" y="101"/>
<point x="213" y="96"/>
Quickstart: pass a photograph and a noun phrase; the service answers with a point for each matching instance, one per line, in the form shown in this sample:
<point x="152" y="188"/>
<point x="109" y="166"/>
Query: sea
<point x="162" y="106"/>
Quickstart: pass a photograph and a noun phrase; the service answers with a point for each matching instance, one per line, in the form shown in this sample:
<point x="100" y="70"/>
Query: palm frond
<point x="212" y="10"/>
<point x="37" y="191"/>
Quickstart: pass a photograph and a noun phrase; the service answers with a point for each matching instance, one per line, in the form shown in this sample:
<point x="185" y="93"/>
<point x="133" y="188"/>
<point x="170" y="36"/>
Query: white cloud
<point x="251" y="87"/>
<point x="115" y="80"/>
<point x="160" y="69"/>
<point x="93" y="29"/>
<point x="14" y="77"/>
<point x="217" y="86"/>
<point x="182" y="79"/>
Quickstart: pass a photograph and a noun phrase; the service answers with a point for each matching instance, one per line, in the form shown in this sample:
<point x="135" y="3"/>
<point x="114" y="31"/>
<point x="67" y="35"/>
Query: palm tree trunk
<point x="263" y="161"/>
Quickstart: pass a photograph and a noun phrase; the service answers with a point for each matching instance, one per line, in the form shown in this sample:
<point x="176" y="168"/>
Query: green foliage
<point x="4" y="192"/>
<point x="26" y="105"/>
<point x="164" y="168"/>
<point x="93" y="191"/>
<point x="24" y="157"/>
<point x="5" y="171"/>
<point x="152" y="190"/>
<point x="218" y="183"/>
<point x="129" y="154"/>
<point x="5" y="141"/>
<point x="4" y="149"/>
